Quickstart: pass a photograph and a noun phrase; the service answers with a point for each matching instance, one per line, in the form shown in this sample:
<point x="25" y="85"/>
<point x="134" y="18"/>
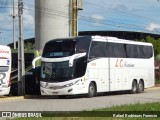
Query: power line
<point x="90" y="19"/>
<point x="48" y="12"/>
<point x="43" y="9"/>
<point x="62" y="14"/>
<point x="103" y="7"/>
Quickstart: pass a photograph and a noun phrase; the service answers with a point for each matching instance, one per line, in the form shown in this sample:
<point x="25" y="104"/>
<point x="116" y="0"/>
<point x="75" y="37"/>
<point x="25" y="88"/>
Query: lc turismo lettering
<point x="122" y="63"/>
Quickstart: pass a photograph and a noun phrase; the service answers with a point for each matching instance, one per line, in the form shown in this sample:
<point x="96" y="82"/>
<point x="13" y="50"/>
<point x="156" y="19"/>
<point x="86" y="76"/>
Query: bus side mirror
<point x="75" y="56"/>
<point x="34" y="61"/>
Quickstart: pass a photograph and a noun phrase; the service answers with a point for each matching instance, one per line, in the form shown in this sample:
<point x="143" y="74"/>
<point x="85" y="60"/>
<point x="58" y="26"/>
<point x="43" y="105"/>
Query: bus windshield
<point x="59" y="48"/>
<point x="56" y="71"/>
<point x="62" y="70"/>
<point x="66" y="47"/>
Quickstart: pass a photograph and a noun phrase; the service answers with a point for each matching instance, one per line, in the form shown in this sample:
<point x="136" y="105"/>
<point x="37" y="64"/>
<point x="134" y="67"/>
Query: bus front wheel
<point x="92" y="90"/>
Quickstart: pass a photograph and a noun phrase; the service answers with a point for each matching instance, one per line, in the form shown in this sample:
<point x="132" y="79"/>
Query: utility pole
<point x="21" y="67"/>
<point x="76" y="5"/>
<point x="70" y="18"/>
<point x="74" y="18"/>
<point x="13" y="16"/>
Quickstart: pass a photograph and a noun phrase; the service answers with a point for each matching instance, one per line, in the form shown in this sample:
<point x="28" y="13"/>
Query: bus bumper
<point x="4" y="91"/>
<point x="72" y="90"/>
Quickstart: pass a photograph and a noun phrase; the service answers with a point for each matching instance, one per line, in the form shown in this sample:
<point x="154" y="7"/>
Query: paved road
<point x="80" y="103"/>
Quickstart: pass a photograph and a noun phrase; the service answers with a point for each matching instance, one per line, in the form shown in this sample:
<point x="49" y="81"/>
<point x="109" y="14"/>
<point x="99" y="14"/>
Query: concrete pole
<point x="21" y="66"/>
<point x="14" y="42"/>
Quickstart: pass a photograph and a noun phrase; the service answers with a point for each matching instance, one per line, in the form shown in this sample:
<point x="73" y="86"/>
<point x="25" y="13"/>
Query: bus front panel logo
<point x="2" y="76"/>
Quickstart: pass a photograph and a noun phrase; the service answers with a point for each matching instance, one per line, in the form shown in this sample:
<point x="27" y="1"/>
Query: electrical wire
<point x="56" y="14"/>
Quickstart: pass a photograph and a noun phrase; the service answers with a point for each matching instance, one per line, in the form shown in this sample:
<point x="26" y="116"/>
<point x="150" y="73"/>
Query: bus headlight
<point x="70" y="84"/>
<point x="43" y="84"/>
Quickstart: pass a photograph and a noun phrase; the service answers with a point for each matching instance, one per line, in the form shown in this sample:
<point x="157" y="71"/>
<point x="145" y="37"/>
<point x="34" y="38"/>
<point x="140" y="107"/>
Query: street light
<point x="118" y="26"/>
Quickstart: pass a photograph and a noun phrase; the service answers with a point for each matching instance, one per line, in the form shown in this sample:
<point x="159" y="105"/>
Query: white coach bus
<point x="5" y="69"/>
<point x="95" y="64"/>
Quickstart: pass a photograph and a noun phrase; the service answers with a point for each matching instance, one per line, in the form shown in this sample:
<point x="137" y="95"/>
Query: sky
<point x="122" y="15"/>
<point x="6" y="20"/>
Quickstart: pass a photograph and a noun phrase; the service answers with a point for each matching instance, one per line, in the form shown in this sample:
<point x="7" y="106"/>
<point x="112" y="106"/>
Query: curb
<point x="11" y="98"/>
<point x="39" y="97"/>
<point x="156" y="87"/>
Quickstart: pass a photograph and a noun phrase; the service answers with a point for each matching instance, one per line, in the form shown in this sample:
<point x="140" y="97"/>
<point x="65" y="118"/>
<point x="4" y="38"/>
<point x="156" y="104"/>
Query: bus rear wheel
<point x="91" y="90"/>
<point x="140" y="86"/>
<point x="134" y="87"/>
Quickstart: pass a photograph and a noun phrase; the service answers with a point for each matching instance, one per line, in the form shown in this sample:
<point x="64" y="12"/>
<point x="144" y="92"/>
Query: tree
<point x="29" y="46"/>
<point x="155" y="42"/>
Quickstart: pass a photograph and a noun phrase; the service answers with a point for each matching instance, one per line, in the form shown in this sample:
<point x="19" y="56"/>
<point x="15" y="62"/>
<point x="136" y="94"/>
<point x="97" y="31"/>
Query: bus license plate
<point x="55" y="93"/>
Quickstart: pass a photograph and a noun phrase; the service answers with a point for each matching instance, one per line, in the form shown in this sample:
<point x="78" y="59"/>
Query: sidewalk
<point x="11" y="97"/>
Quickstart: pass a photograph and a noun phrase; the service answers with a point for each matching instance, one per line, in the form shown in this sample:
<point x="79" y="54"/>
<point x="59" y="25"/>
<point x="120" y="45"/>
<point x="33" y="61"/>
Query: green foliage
<point x="134" y="107"/>
<point x="29" y="46"/>
<point x="157" y="81"/>
<point x="156" y="45"/>
<point x="155" y="42"/>
<point x="137" y="109"/>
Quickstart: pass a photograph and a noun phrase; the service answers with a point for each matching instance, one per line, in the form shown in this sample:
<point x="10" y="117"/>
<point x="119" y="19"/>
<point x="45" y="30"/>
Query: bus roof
<point x="103" y="39"/>
<point x="117" y="40"/>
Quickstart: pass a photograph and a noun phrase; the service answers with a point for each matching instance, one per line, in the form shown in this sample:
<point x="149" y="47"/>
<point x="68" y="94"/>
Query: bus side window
<point x="135" y="51"/>
<point x="129" y="51"/>
<point x="93" y="50"/>
<point x="139" y="51"/>
<point x="98" y="49"/>
<point x="117" y="50"/>
<point x="82" y="45"/>
<point x="142" y="52"/>
<point x="148" y="51"/>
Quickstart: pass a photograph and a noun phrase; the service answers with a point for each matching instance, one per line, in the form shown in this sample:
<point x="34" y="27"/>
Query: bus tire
<point x="91" y="90"/>
<point x="134" y="87"/>
<point x="140" y="86"/>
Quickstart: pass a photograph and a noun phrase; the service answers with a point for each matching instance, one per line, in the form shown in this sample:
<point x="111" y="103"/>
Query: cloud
<point x="6" y="13"/>
<point x="97" y="19"/>
<point x="28" y="18"/>
<point x="153" y="27"/>
<point x="6" y="20"/>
